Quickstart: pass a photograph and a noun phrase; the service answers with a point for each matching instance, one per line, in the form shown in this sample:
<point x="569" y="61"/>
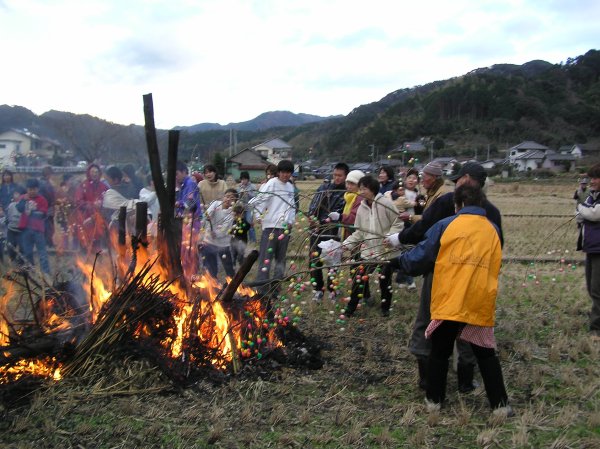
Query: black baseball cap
<point x="473" y="169"/>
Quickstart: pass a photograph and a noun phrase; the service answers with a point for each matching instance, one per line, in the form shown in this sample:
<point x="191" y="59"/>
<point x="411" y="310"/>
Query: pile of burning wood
<point x="189" y="330"/>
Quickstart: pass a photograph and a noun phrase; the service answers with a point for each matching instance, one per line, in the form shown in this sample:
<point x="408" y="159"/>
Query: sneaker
<point x="401" y="285"/>
<point x="317" y="296"/>
<point x="432" y="406"/>
<point x="504" y="412"/>
<point x="332" y="296"/>
<point x="412" y="286"/>
<point x="385" y="313"/>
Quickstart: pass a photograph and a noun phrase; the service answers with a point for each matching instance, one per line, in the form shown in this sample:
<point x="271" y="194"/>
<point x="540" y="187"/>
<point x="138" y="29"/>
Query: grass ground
<point x="366" y="395"/>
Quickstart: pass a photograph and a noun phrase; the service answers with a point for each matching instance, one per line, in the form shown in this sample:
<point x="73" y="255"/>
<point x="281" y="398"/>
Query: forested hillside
<point x="501" y="105"/>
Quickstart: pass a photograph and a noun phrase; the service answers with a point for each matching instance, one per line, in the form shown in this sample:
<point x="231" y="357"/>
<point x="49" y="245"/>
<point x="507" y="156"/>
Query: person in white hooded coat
<point x="377" y="216"/>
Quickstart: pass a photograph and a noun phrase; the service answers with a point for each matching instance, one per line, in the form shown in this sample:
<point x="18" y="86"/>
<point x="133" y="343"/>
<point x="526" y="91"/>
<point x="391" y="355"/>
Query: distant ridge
<point x="266" y="120"/>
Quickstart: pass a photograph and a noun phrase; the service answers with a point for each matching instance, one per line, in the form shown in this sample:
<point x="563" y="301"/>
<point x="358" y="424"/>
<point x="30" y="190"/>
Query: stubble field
<point x="366" y="395"/>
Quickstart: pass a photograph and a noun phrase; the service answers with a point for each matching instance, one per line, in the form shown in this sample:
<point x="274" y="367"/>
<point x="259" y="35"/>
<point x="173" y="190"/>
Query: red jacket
<point x="34" y="218"/>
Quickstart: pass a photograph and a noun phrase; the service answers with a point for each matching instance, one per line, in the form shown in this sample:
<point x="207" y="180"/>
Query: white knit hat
<point x="354" y="176"/>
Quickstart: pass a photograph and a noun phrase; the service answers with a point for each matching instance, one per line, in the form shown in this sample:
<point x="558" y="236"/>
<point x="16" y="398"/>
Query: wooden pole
<point x="170" y="249"/>
<point x="122" y="227"/>
<point x="141" y="222"/>
<point x="154" y="155"/>
<point x="244" y="269"/>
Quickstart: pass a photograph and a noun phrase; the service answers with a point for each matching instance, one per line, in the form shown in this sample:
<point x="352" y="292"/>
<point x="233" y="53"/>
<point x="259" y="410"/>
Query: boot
<point x="464" y="373"/>
<point x="351" y="306"/>
<point x="422" y="364"/>
<point x="437" y="374"/>
<point x="491" y="372"/>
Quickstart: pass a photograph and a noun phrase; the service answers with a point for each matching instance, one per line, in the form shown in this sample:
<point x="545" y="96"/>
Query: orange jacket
<point x="465" y="254"/>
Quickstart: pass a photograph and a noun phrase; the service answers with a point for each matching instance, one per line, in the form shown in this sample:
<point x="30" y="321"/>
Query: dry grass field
<point x="365" y="395"/>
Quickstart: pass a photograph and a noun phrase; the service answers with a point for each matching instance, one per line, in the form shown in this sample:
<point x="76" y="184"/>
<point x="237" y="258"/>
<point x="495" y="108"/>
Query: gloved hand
<point x="392" y="240"/>
<point x="334" y="216"/>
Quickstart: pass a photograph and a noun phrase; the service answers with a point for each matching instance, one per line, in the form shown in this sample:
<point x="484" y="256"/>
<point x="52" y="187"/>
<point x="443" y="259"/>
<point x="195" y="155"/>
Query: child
<point x="13" y="234"/>
<point x="400" y="197"/>
<point x="34" y="207"/>
<point x="464" y="252"/>
<point x="247" y="191"/>
<point x="217" y="238"/>
<point x="274" y="208"/>
<point x="239" y="232"/>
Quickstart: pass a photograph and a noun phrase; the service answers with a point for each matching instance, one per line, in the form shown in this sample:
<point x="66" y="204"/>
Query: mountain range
<point x="491" y="107"/>
<point x="266" y="120"/>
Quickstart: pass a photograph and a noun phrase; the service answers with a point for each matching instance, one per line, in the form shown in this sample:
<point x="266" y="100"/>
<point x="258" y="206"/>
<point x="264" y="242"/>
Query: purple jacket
<point x="589" y="210"/>
<point x="187" y="199"/>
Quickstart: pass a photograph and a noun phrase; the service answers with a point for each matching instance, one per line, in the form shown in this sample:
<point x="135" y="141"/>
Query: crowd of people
<point x="411" y="226"/>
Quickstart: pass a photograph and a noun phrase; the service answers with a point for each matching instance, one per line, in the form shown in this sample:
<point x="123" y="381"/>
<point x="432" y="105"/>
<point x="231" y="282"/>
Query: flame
<point x="204" y="320"/>
<point x="4" y="331"/>
<point x="46" y="367"/>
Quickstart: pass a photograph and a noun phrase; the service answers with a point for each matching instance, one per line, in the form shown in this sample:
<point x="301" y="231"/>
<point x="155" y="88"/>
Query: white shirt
<point x="274" y="204"/>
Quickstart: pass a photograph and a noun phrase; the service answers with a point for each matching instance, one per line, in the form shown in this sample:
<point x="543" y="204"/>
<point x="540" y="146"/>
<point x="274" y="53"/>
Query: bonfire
<point x="138" y="299"/>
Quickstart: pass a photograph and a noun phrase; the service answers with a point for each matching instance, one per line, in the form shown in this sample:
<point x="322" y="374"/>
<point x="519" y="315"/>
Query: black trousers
<point x="316" y="264"/>
<point x="442" y="345"/>
<point x="361" y="289"/>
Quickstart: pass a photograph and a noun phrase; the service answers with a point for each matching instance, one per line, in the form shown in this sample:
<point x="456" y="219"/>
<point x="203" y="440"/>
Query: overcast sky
<point x="229" y="60"/>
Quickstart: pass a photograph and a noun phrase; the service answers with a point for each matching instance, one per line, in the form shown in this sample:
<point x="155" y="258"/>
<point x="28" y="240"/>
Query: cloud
<point x="229" y="60"/>
<point x="351" y="40"/>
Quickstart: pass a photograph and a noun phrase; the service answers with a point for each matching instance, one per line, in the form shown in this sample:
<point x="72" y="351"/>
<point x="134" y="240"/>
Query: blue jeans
<point x="402" y="278"/>
<point x="14" y="246"/>
<point x="31" y="238"/>
<point x="249" y="217"/>
<point x="273" y="251"/>
<point x="211" y="255"/>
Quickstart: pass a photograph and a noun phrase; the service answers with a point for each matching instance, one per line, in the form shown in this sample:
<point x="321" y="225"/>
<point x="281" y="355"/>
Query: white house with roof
<point x="579" y="150"/>
<point x="528" y="160"/>
<point x="15" y="143"/>
<point x="528" y="149"/>
<point x="274" y="150"/>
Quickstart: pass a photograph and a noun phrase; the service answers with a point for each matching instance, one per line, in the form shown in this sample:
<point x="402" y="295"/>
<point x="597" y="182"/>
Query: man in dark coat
<point x="328" y="198"/>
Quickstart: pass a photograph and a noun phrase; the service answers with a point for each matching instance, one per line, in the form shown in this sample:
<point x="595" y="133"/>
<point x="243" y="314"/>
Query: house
<point x="559" y="162"/>
<point x="528" y="160"/>
<point x="247" y="160"/>
<point x="525" y="147"/>
<point x="579" y="150"/>
<point x="274" y="150"/>
<point x="21" y="146"/>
